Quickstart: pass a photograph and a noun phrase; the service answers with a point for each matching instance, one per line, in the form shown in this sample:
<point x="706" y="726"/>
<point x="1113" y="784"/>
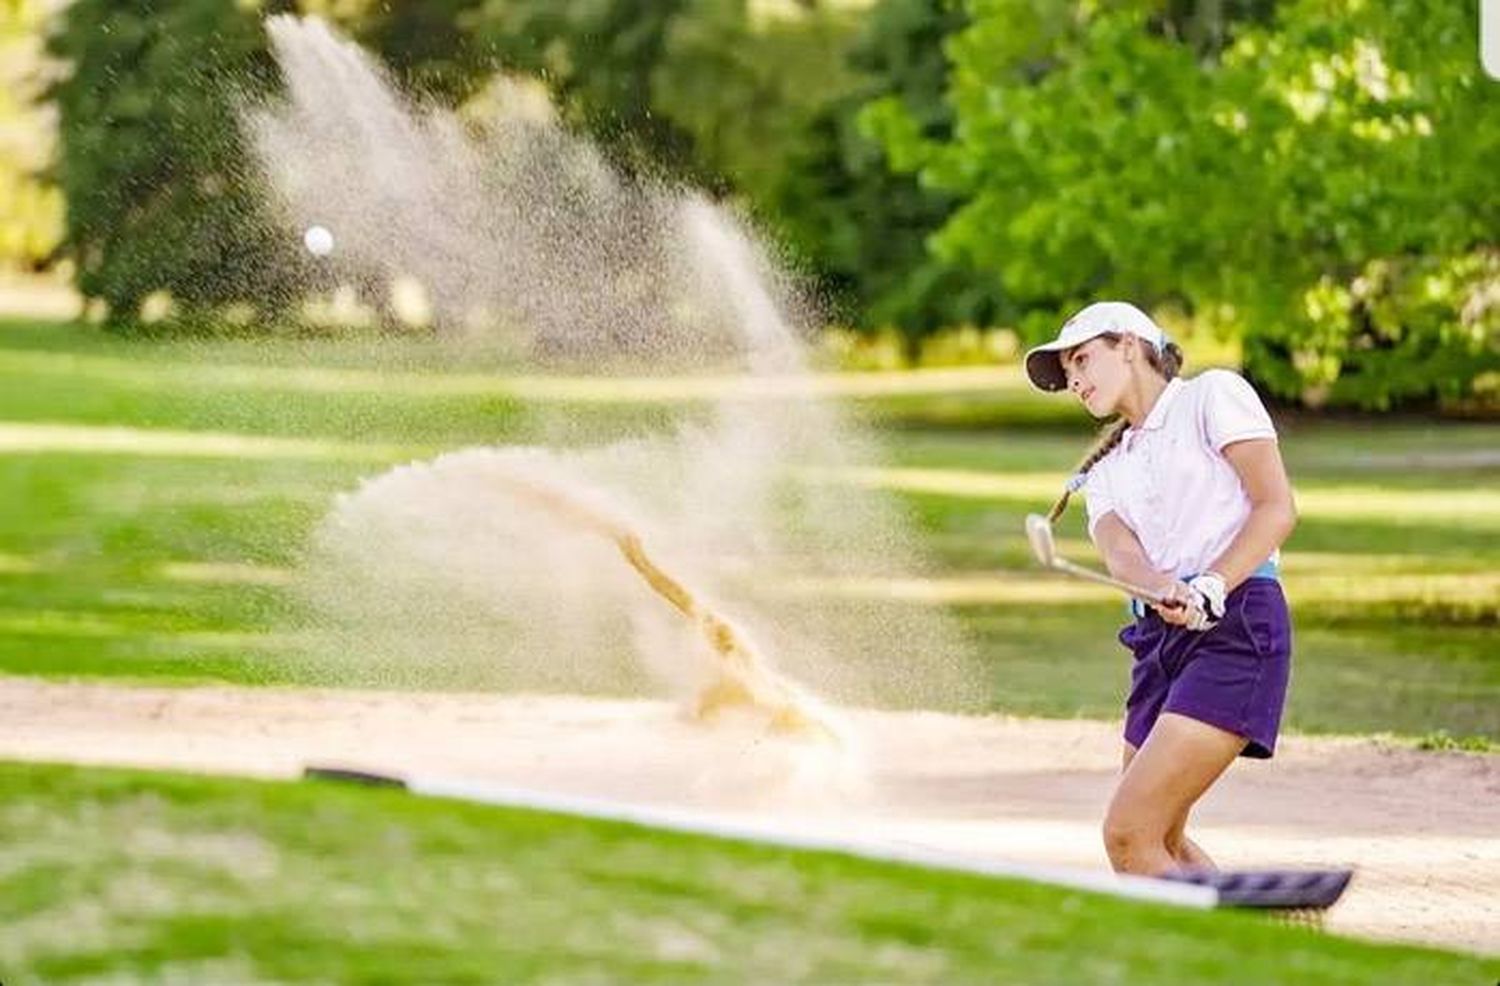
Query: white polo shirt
<point x="1168" y="479"/>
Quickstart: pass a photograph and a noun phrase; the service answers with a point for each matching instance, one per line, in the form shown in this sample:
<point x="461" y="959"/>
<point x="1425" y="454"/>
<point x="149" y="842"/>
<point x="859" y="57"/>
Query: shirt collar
<point x="1158" y="413"/>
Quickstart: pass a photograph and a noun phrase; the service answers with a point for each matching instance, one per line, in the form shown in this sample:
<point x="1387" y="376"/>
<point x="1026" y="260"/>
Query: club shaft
<point x="1140" y="592"/>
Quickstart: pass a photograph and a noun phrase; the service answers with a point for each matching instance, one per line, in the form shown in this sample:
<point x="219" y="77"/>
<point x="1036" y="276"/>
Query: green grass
<point x="139" y="877"/>
<point x="1443" y="740"/>
<point x="157" y="495"/>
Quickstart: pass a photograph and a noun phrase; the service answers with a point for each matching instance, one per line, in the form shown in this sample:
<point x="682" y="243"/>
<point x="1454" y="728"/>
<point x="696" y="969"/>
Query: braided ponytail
<point x="1168" y="362"/>
<point x="1108" y="439"/>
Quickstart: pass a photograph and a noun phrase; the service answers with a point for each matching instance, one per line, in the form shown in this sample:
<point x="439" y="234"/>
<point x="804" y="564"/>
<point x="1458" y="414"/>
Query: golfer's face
<point x="1093" y="371"/>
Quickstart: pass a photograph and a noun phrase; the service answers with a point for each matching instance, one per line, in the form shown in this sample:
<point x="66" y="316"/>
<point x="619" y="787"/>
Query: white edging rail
<point x="729" y="827"/>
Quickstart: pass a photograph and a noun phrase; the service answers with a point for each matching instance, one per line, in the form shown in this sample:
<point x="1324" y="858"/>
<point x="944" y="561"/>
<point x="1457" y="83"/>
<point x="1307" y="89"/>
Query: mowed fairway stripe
<point x="113" y="440"/>
<point x="198" y="376"/>
<point x="1468" y="507"/>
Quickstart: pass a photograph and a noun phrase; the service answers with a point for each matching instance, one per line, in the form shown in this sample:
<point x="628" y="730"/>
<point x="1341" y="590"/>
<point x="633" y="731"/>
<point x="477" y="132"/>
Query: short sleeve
<point x="1231" y="410"/>
<point x="1097" y="495"/>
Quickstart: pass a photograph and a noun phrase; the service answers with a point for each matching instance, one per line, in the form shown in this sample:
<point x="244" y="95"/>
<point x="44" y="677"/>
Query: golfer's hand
<point x="1177" y="607"/>
<point x="1207" y="607"/>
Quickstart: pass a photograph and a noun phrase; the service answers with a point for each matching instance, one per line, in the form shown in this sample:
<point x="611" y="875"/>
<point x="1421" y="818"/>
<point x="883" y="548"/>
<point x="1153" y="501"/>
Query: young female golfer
<point x="1186" y="494"/>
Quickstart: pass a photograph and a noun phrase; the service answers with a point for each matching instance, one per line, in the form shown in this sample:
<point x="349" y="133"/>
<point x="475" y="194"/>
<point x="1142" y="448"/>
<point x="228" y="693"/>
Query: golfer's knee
<point x="1175" y="835"/>
<point x="1129" y="840"/>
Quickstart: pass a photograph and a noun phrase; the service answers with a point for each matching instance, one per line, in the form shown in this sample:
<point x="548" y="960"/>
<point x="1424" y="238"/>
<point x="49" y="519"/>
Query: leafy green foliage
<point x="1376" y="134"/>
<point x="1315" y="175"/>
<point x="863" y="224"/>
<point x="761" y="102"/>
<point x="1318" y="182"/>
<point x="1077" y="155"/>
<point x="427" y="44"/>
<point x="160" y="197"/>
<point x="598" y="59"/>
<point x="747" y="83"/>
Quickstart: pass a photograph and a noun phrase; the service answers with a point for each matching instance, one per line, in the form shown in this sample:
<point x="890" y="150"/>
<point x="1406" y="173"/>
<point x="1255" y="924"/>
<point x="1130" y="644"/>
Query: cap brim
<point x="1044" y="368"/>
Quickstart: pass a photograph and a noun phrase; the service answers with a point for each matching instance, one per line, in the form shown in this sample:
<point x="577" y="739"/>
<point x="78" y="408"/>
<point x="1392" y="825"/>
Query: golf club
<point x="1039" y="533"/>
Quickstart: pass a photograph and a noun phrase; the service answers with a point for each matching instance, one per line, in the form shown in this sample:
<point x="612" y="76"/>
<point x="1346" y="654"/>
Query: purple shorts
<point x="1233" y="676"/>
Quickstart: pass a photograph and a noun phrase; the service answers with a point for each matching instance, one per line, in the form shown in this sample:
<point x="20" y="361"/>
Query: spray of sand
<point x="741" y="677"/>
<point x="645" y="562"/>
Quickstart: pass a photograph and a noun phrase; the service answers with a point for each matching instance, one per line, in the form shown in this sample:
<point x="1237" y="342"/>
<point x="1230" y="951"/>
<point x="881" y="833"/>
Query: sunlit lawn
<point x="157" y="496"/>
<point x="132" y="877"/>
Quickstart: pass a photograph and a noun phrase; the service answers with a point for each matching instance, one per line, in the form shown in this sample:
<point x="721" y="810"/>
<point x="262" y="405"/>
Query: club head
<point x="1039" y="533"/>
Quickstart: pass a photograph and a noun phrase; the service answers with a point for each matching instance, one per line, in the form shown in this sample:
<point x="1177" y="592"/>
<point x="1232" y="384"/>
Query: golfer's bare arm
<point x="1273" y="513"/>
<point x="1123" y="554"/>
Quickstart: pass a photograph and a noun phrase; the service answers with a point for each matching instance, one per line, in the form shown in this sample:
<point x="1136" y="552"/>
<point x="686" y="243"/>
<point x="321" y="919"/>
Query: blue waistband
<point x="1267" y="569"/>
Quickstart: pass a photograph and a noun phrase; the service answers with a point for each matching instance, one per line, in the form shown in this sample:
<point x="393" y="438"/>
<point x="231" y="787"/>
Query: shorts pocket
<point x="1267" y="626"/>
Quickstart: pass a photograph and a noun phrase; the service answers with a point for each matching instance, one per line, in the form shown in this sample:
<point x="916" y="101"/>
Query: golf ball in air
<point x="318" y="240"/>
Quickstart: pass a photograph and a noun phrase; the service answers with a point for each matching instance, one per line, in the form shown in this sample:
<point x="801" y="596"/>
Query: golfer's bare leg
<point x="1143" y="829"/>
<point x="1184" y="850"/>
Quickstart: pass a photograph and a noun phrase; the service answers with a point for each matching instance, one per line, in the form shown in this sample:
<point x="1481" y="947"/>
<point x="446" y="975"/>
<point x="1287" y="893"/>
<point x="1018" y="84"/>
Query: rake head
<point x="1309" y="890"/>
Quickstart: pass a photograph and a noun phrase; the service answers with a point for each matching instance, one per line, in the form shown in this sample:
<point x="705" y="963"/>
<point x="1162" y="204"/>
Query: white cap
<point x="1044" y="363"/>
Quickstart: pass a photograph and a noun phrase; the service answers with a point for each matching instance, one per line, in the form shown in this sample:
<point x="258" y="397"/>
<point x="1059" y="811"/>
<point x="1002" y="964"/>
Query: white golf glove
<point x="1207" y="606"/>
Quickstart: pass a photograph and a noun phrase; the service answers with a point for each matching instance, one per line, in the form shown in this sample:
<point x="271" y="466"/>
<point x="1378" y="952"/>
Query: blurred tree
<point x="1075" y="155"/>
<point x="597" y="57"/>
<point x="863" y="225"/>
<point x="746" y="79"/>
<point x="759" y="100"/>
<point x="30" y="207"/>
<point x="1206" y="25"/>
<point x="1374" y="275"/>
<point x="429" y="44"/>
<point x="1323" y="181"/>
<point x="152" y="161"/>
